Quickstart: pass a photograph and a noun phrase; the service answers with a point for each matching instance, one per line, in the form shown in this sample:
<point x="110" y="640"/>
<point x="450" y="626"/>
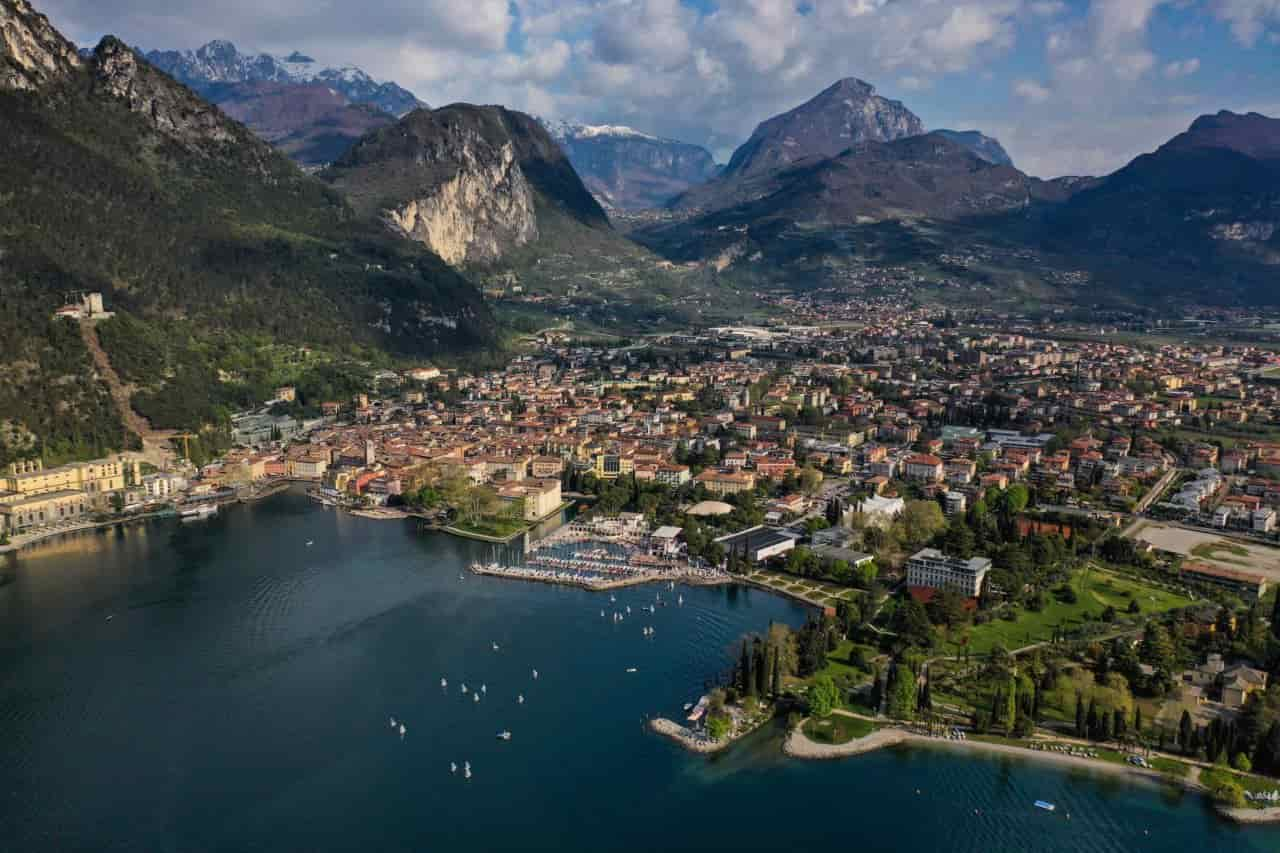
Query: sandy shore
<point x="1267" y="815"/>
<point x="799" y="745"/>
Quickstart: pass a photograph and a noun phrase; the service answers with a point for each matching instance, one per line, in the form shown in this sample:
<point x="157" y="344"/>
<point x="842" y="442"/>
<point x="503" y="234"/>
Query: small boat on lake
<point x="504" y="735"/>
<point x="444" y="682"/>
<point x="453" y="767"/>
<point x="535" y="675"/>
<point x="1047" y="806"/>
<point x="631" y="669"/>
<point x="520" y="699"/>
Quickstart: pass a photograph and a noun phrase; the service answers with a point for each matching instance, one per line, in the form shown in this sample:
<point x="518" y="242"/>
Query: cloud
<point x="1031" y="91"/>
<point x="1182" y="68"/>
<point x="1249" y="19"/>
<point x="1084" y="74"/>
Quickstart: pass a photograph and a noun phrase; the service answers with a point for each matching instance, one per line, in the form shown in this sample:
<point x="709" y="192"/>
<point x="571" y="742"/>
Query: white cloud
<point x="1249" y="19"/>
<point x="912" y="83"/>
<point x="1031" y="91"/>
<point x="1182" y="68"/>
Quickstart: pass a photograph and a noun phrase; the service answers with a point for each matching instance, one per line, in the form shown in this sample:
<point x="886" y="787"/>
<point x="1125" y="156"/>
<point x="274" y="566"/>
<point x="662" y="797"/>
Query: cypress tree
<point x="1117" y="723"/>
<point x="1184" y="732"/>
<point x="762" y="676"/>
<point x="777" y="675"/>
<point x="1080" y="719"/>
<point x="1091" y="720"/>
<point x="748" y="671"/>
<point x="1137" y="721"/>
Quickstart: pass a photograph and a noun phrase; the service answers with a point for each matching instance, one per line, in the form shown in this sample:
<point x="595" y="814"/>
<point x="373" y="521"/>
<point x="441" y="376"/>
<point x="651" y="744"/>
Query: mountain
<point x="986" y="147"/>
<point x="472" y="183"/>
<point x="214" y="249"/>
<point x="845" y="114"/>
<point x="220" y="62"/>
<point x="1204" y="207"/>
<point x="627" y="169"/>
<point x="930" y="176"/>
<point x="309" y="111"/>
<point x="309" y="122"/>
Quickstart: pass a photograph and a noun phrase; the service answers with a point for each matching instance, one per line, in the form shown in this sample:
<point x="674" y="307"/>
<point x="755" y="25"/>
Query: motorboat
<point x="1047" y="806"/>
<point x="504" y="735"/>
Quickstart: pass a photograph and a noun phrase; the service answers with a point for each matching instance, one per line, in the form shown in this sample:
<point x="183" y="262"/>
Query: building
<point x="1239" y="682"/>
<point x="541" y="498"/>
<point x="758" y="544"/>
<point x="726" y="482"/>
<point x="666" y="541"/>
<point x="954" y="503"/>
<point x="931" y="569"/>
<point x="24" y="513"/>
<point x="99" y="477"/>
<point x="672" y="475"/>
<point x="923" y="467"/>
<point x="1247" y="585"/>
<point x="881" y="511"/>
<point x="307" y="467"/>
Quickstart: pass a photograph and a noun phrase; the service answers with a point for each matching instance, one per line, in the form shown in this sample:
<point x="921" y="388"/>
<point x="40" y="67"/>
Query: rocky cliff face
<point x="32" y="52"/>
<point x="472" y="183"/>
<point x="483" y="210"/>
<point x="630" y="170"/>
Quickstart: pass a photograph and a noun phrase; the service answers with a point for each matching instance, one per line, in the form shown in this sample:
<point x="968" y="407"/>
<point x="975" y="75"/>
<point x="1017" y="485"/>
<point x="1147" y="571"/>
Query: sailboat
<point x="475" y="696"/>
<point x="495" y="647"/>
<point x="444" y="682"/>
<point x="520" y="699"/>
<point x="504" y="735"/>
<point x="535" y="675"/>
<point x="393" y="722"/>
<point x="453" y="767"/>
<point x="402" y="730"/>
<point x="466" y="769"/>
<point x="484" y="688"/>
<point x="464" y="687"/>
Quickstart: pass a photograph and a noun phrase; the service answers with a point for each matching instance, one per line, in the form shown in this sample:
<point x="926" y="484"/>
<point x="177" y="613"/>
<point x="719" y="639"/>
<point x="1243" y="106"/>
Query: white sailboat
<point x="402" y="730"/>
<point x="444" y="682"/>
<point x="535" y="675"/>
<point x="520" y="699"/>
<point x="464" y="687"/>
<point x="393" y="722"/>
<point x="453" y="767"/>
<point x="466" y="769"/>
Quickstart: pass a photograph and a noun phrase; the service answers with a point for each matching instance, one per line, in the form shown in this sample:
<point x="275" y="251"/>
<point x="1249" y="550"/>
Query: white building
<point x="955" y="503"/>
<point x="932" y="569"/>
<point x="881" y="511"/>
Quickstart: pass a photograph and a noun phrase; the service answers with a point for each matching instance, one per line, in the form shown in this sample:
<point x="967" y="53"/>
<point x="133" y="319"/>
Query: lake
<point x="221" y="685"/>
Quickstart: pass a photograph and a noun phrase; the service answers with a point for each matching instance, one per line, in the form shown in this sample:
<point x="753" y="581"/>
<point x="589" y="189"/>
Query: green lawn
<point x="837" y="728"/>
<point x="1222" y="551"/>
<point x="1094" y="592"/>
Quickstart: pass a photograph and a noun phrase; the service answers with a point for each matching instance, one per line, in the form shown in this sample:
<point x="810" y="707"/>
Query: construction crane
<point x="186" y="447"/>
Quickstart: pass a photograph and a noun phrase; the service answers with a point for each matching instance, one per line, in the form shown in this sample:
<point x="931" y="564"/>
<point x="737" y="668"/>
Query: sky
<point x="1070" y="87"/>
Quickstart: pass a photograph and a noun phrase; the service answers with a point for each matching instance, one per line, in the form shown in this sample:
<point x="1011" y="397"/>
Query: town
<point x="1001" y="530"/>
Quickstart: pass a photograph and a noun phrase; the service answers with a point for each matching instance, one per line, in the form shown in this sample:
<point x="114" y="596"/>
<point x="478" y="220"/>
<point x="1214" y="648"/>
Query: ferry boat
<point x="197" y="512"/>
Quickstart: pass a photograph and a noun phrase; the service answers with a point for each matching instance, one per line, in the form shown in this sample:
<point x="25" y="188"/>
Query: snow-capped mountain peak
<point x="220" y="62"/>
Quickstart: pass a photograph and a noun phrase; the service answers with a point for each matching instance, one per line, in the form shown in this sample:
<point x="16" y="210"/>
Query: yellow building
<point x="23" y="513"/>
<point x="611" y="466"/>
<point x="101" y="476"/>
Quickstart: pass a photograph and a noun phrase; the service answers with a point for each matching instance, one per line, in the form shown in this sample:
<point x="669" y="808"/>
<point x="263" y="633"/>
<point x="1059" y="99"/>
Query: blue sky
<point x="1069" y="86"/>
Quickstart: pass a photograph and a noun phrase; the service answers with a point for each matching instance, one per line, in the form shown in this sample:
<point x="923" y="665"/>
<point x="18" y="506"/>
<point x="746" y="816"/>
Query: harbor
<point x="602" y="554"/>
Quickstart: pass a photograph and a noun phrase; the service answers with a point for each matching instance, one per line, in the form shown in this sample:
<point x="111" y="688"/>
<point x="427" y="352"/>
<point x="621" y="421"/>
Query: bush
<point x="1242" y="763"/>
<point x="718" y="727"/>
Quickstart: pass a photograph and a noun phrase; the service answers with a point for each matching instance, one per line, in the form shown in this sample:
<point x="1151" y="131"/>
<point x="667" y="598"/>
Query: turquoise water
<point x="239" y="696"/>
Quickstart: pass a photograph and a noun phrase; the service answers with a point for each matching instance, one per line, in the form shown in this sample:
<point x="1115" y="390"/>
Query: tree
<point x="718" y="726"/>
<point x="911" y="623"/>
<point x="1185" y="731"/>
<point x="1156" y="648"/>
<point x="1080" y="716"/>
<point x="1266" y="759"/>
<point x="902" y="692"/>
<point x="747" y="680"/>
<point x="921" y="521"/>
<point x="823" y="696"/>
